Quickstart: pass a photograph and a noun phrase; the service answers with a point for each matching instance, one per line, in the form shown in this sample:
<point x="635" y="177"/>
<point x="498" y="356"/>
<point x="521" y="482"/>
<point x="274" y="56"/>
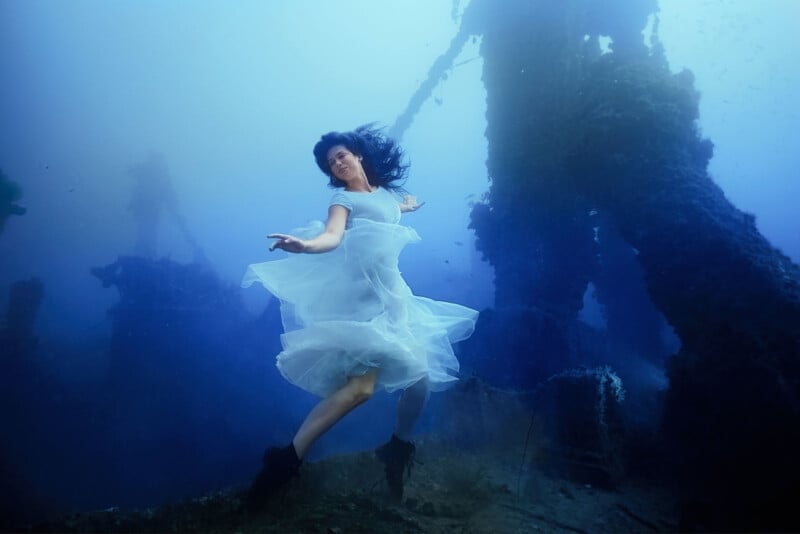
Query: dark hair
<point x="382" y="157"/>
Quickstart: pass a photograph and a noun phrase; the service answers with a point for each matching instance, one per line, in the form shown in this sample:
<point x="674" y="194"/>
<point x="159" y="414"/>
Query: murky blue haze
<point x="233" y="95"/>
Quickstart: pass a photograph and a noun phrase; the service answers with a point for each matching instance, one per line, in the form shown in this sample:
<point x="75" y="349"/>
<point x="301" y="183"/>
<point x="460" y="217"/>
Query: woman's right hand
<point x="288" y="243"/>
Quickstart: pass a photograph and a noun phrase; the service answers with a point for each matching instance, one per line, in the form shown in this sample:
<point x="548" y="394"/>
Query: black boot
<point x="279" y="466"/>
<point x="397" y="456"/>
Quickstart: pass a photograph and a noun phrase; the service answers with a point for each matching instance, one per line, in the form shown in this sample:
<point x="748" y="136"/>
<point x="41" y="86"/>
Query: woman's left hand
<point x="410" y="204"/>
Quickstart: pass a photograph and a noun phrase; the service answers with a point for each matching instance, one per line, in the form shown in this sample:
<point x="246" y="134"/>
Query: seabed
<point x="449" y="490"/>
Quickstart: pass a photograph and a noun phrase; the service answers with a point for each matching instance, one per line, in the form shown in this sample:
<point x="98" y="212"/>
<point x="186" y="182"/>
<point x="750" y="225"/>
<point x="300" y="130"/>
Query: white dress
<point x="349" y="310"/>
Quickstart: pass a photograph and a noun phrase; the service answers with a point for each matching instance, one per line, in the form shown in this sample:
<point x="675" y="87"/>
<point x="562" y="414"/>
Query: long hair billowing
<point x="382" y="157"/>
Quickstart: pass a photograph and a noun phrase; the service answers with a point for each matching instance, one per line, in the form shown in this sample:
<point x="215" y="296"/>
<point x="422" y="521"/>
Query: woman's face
<point x="344" y="164"/>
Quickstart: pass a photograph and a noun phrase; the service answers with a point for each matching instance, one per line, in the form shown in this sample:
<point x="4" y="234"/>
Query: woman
<point x="352" y="325"/>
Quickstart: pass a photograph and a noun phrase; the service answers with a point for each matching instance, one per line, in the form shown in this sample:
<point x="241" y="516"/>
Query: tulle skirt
<point x="347" y="311"/>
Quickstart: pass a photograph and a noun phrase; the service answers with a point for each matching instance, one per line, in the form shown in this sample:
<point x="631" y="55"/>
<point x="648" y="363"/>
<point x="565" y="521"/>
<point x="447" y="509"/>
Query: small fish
<point x="459" y="243"/>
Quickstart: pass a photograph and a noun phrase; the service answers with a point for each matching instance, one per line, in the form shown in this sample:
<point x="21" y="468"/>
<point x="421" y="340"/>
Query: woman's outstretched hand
<point x="287" y="242"/>
<point x="410" y="204"/>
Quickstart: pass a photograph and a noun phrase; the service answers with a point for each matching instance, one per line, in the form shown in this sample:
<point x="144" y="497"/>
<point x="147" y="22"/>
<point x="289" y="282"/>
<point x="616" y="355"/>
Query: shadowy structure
<point x="598" y="173"/>
<point x="573" y="132"/>
<point x="186" y="365"/>
<point x="546" y="240"/>
<point x="17" y="338"/>
<point x="22" y="383"/>
<point x="10" y="193"/>
<point x="153" y="197"/>
<point x="542" y="234"/>
<point x="733" y="407"/>
<point x="181" y="403"/>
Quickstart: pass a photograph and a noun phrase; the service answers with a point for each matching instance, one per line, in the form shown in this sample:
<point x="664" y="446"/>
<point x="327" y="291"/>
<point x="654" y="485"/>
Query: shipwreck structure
<point x="10" y="194"/>
<point x="599" y="174"/>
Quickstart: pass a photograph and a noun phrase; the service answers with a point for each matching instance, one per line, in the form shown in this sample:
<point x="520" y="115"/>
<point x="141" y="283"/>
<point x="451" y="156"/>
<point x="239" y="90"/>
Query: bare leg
<point x="330" y="410"/>
<point x="409" y="408"/>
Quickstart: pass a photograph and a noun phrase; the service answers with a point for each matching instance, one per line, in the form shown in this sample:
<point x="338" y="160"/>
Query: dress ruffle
<point x="349" y="310"/>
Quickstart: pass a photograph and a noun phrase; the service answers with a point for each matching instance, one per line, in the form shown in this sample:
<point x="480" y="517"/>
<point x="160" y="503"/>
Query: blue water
<point x="229" y="99"/>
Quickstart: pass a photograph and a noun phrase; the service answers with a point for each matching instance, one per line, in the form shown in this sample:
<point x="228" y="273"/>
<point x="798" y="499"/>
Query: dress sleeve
<point x="341" y="199"/>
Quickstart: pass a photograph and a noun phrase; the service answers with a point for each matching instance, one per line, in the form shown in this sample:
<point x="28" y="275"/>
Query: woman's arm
<point x="324" y="242"/>
<point x="410" y="204"/>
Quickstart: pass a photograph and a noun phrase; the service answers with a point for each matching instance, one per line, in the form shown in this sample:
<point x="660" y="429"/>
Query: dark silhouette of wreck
<point x="599" y="174"/>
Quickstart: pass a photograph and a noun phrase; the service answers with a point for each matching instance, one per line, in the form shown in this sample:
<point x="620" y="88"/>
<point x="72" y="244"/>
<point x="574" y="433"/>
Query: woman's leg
<point x="280" y="464"/>
<point x="409" y="408"/>
<point x="398" y="453"/>
<point x="330" y="410"/>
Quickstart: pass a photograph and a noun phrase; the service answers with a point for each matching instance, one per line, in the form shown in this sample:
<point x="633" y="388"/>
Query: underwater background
<point x="612" y="184"/>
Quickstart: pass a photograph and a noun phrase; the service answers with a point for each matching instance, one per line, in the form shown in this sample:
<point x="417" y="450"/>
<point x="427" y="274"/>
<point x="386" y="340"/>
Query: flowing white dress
<point x="349" y="310"/>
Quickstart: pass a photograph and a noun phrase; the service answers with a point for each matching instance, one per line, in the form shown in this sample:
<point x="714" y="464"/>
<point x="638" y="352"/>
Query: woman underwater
<point x="352" y="324"/>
